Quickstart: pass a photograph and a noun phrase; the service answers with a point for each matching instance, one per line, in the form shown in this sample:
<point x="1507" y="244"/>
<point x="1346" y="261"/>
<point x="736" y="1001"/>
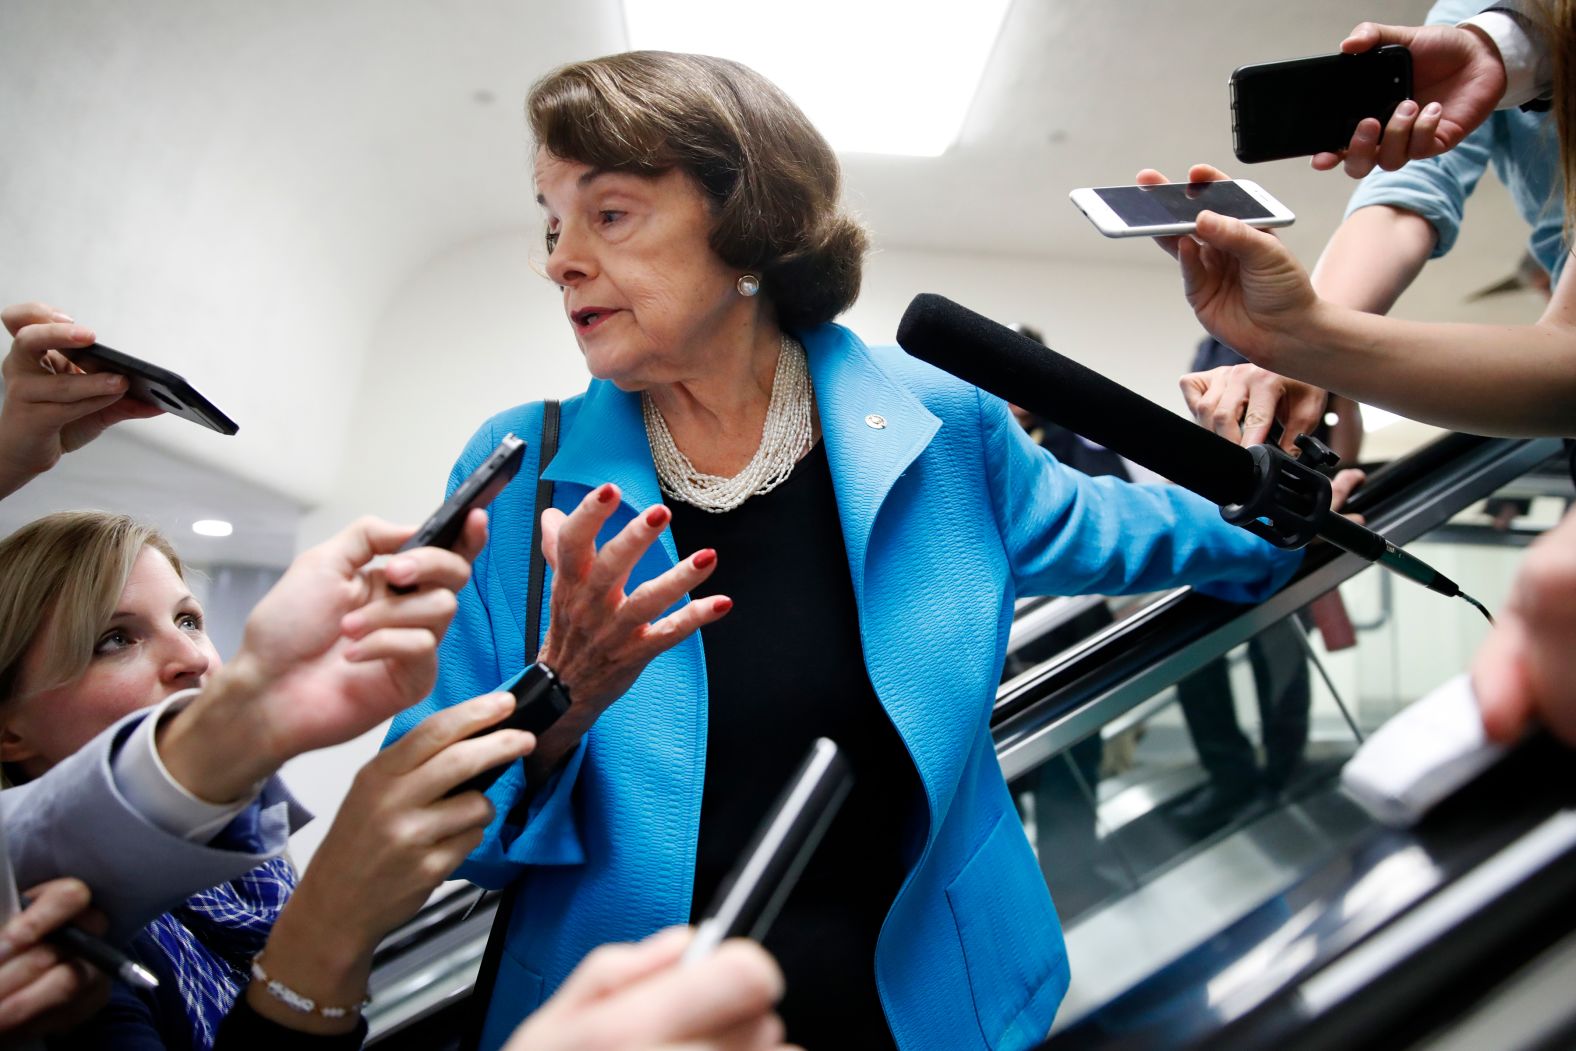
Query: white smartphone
<point x="1171" y="208"/>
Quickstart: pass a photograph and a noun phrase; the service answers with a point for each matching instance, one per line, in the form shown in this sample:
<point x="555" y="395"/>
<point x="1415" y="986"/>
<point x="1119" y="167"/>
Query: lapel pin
<point x="876" y="421"/>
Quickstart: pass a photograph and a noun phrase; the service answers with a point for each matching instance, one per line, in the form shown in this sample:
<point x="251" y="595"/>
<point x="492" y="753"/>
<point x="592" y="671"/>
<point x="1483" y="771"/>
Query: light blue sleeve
<point x="544" y="831"/>
<point x="1066" y="533"/>
<point x="1435" y="188"/>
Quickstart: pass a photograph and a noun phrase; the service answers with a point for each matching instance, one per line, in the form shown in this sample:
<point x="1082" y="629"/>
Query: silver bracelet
<point x="295" y="1001"/>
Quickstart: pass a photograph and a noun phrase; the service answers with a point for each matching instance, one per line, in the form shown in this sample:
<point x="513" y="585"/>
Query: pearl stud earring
<point x="748" y="284"/>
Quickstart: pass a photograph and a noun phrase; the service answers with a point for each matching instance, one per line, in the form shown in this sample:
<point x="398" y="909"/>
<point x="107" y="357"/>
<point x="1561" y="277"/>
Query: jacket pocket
<point x="1012" y="941"/>
<point x="516" y="992"/>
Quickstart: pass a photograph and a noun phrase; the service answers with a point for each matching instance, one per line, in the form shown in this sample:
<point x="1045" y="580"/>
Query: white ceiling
<point x="239" y="190"/>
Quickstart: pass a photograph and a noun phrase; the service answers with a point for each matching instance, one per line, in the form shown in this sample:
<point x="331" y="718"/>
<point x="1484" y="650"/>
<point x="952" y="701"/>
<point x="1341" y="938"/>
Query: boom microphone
<point x="1283" y="500"/>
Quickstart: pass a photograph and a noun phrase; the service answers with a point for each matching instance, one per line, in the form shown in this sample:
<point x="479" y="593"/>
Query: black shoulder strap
<point x="544" y="499"/>
<point x="481" y="993"/>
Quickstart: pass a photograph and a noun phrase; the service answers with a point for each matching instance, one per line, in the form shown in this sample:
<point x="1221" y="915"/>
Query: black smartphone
<point x="1312" y="105"/>
<point x="754" y="892"/>
<point x="154" y="385"/>
<point x="538" y="702"/>
<point x="443" y="527"/>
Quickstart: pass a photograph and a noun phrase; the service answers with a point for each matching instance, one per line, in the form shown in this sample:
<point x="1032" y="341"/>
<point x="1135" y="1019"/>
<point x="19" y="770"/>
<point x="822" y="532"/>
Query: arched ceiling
<point x="238" y="191"/>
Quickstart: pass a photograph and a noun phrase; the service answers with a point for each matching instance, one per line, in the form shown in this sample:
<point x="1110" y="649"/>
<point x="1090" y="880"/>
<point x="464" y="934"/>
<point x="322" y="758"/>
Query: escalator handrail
<point x="1040" y="713"/>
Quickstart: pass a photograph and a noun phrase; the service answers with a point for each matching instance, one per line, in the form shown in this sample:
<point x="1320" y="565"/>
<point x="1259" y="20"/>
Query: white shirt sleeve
<point x="1529" y="68"/>
<point x="142" y="778"/>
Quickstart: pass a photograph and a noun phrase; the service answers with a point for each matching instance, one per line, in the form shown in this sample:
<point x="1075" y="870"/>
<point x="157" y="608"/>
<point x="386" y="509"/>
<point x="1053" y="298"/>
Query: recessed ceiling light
<point x="212" y="527"/>
<point x="872" y="75"/>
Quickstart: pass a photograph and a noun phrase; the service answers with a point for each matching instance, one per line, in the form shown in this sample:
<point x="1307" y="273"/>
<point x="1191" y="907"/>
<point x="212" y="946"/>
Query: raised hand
<point x="1458" y="78"/>
<point x="51" y="406"/>
<point x="328" y="654"/>
<point x="601" y="638"/>
<point x="1243" y="284"/>
<point x="396" y="837"/>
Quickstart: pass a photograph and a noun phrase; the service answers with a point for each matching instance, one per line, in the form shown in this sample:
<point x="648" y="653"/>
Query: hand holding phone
<point x="480" y="487"/>
<point x="1313" y="105"/>
<point x="1170" y="209"/>
<point x="155" y="385"/>
<point x="754" y="892"/>
<point x="539" y="700"/>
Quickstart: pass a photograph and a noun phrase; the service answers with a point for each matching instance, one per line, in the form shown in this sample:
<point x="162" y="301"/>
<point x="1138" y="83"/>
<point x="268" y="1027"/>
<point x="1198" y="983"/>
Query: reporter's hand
<point x="1458" y="78"/>
<point x="395" y="838"/>
<point x="1242" y="402"/>
<point x="41" y="991"/>
<point x="1525" y="671"/>
<point x="1243" y="284"/>
<point x="328" y="654"/>
<point x="51" y="406"/>
<point x="599" y="638"/>
<point x="640" y="998"/>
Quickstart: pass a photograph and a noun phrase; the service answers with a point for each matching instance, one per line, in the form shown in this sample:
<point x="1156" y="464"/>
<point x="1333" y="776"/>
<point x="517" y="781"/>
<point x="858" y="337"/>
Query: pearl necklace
<point x="785" y="437"/>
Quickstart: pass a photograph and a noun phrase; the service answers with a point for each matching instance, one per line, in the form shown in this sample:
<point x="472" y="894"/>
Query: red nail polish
<point x="704" y="559"/>
<point x="605" y="494"/>
<point x="722" y="604"/>
<point x="657" y="516"/>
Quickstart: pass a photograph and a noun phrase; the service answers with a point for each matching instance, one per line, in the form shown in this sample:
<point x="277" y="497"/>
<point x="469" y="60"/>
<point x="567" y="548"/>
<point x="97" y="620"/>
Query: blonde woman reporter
<point x="113" y="630"/>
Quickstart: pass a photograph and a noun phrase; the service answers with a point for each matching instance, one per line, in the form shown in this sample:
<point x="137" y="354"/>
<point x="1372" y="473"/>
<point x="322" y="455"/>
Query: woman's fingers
<point x="647" y="601"/>
<point x="613" y="564"/>
<point x="575" y="537"/>
<point x="441" y="729"/>
<point x="681" y="624"/>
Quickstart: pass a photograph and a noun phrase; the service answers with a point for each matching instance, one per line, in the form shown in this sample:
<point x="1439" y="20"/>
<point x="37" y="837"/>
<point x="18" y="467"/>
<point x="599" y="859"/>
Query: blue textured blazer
<point x="948" y="512"/>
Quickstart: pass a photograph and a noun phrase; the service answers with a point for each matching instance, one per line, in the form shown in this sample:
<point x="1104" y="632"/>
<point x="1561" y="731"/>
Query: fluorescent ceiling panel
<point x="875" y="76"/>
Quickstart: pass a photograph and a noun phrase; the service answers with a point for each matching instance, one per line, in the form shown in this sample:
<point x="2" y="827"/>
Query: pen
<point x="77" y="942"/>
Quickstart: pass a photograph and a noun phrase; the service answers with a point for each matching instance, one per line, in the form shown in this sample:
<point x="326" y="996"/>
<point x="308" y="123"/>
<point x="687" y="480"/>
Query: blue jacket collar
<point x="605" y="440"/>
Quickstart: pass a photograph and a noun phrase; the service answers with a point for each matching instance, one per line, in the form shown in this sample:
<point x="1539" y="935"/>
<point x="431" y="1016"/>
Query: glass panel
<point x="1196" y="806"/>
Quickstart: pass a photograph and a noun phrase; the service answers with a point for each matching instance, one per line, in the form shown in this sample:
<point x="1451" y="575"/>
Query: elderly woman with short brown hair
<point x="854" y="527"/>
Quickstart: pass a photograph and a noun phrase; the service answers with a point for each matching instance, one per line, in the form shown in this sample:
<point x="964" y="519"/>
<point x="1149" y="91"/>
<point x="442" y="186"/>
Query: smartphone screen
<point x="1310" y="105"/>
<point x="1179" y="202"/>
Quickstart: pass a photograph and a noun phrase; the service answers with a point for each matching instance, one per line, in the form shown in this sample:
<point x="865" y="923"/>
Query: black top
<point x="784" y="667"/>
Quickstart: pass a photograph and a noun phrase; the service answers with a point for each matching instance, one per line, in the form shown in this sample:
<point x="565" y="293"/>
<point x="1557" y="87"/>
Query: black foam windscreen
<point x="995" y="358"/>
